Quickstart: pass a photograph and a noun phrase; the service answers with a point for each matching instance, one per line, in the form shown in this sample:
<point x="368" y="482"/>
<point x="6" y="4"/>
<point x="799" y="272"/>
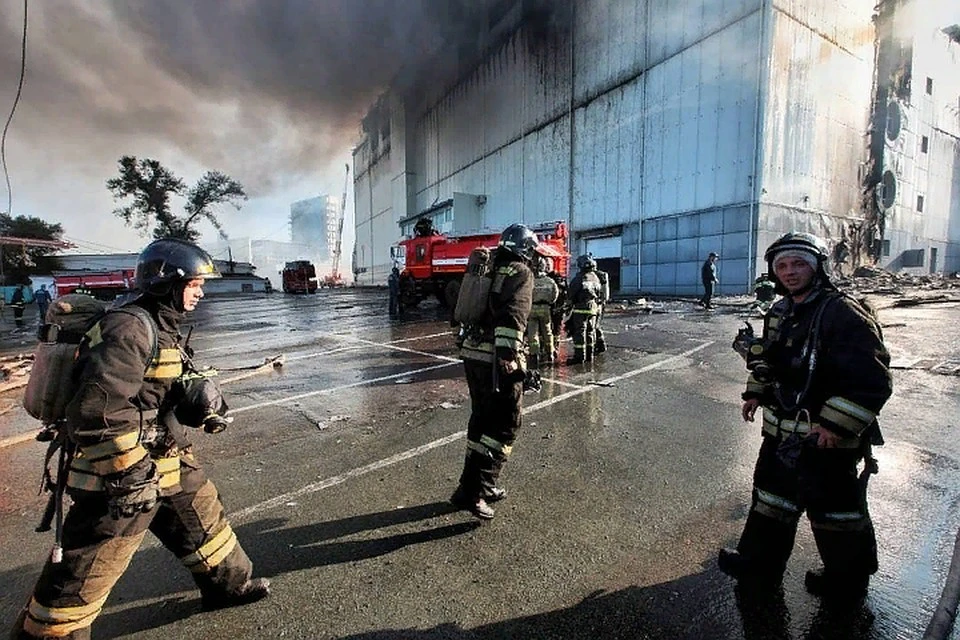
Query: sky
<point x="270" y="92"/>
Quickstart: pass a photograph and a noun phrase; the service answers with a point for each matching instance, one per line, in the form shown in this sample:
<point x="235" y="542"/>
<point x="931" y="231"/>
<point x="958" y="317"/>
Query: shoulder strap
<point x="149" y="323"/>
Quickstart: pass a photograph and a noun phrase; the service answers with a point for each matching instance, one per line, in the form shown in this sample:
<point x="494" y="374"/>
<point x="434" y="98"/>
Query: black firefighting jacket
<point x="511" y="298"/>
<point x="122" y="386"/>
<point x="828" y="366"/>
<point x="585" y="293"/>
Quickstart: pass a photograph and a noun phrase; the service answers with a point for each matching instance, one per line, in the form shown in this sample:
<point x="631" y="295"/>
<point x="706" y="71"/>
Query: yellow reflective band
<point x="119" y="461"/>
<point x="508" y="343"/>
<point x="84" y="481"/>
<point x="776" y="501"/>
<point x="168" y="465"/>
<point x="94" y="336"/>
<point x="169" y="470"/>
<point x="166" y="365"/>
<point x="490" y="443"/>
<point x="45" y="622"/>
<point x="847" y="415"/>
<point x="479" y="448"/>
<point x="110" y="447"/>
<point x="212" y="552"/>
<point x="507" y="332"/>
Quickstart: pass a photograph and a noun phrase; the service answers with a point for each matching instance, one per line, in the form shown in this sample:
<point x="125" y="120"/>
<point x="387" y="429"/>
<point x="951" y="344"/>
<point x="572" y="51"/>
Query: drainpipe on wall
<point x="758" y="125"/>
<point x="570" y="222"/>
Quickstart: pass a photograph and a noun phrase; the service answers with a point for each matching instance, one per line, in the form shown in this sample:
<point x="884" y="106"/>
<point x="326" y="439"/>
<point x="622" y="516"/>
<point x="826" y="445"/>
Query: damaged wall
<point x="702" y="125"/>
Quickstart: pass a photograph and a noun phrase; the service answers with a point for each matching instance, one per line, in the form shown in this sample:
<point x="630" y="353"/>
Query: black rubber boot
<point x="251" y="591"/>
<point x="477" y="506"/>
<point x="739" y="567"/>
<point x="836" y="589"/>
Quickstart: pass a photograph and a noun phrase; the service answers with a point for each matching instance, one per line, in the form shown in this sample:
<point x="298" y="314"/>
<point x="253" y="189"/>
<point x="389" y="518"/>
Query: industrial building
<point x="314" y="223"/>
<point x="662" y="131"/>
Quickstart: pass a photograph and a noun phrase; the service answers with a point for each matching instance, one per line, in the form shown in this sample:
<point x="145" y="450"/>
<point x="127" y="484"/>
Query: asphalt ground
<point x="626" y="478"/>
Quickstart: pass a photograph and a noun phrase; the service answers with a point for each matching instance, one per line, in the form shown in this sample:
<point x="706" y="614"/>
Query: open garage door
<point x="607" y="252"/>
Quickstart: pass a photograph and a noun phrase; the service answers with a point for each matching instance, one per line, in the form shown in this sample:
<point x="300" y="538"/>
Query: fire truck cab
<point x="434" y="263"/>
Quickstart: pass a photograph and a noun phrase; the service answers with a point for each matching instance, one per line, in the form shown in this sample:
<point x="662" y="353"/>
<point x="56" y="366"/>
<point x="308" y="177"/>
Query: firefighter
<point x="494" y="361"/>
<point x="583" y="299"/>
<point x="539" y="327"/>
<point x="125" y="479"/>
<point x="599" y="342"/>
<point x="821" y="374"/>
<point x="393" y="287"/>
<point x="558" y="311"/>
<point x="18" y="303"/>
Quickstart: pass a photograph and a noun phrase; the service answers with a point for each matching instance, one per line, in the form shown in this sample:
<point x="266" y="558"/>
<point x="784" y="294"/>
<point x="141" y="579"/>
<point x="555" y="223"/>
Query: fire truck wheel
<point x="450" y="293"/>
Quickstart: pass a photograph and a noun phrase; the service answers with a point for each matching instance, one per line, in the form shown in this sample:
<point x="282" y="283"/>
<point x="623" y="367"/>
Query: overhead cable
<point x="16" y="101"/>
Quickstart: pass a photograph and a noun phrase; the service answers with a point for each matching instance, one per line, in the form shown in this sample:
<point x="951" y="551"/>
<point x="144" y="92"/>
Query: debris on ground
<point x="449" y="405"/>
<point x="15" y="371"/>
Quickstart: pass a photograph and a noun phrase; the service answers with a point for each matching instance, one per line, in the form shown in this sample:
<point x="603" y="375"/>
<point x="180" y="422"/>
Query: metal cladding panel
<point x="816" y="117"/>
<point x="546" y="78"/>
<point x="502" y="81"/>
<point x="546" y="176"/>
<point x="608" y="143"/>
<point x="674" y="26"/>
<point x="503" y="186"/>
<point x="700" y="126"/>
<point x="609" y="41"/>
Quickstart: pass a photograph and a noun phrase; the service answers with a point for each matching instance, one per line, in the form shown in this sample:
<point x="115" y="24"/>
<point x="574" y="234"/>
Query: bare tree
<point x="150" y="185"/>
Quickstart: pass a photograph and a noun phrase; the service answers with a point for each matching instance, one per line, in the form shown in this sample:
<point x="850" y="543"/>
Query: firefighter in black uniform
<point x="821" y="374"/>
<point x="583" y="298"/>
<point x="132" y="469"/>
<point x="494" y="361"/>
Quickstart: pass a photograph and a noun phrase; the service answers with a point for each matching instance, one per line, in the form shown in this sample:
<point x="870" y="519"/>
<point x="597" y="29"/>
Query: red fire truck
<point x="434" y="263"/>
<point x="299" y="276"/>
<point x="105" y="285"/>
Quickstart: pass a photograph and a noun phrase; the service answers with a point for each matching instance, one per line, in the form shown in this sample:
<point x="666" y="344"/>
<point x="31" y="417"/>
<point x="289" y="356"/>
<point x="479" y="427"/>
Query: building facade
<point x="314" y="223"/>
<point x="659" y="132"/>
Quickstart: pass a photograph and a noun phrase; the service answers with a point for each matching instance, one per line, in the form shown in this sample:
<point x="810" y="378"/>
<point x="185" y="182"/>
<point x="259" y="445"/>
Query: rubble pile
<point x="868" y="279"/>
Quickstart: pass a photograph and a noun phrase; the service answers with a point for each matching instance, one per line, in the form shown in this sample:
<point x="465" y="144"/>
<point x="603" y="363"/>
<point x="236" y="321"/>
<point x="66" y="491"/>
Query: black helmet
<point x="586" y="263"/>
<point x="166" y="261"/>
<point x="519" y="240"/>
<point x="804" y="243"/>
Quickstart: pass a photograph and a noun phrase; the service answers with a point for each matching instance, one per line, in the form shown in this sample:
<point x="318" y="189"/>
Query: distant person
<point x="393" y="285"/>
<point x="708" y="275"/>
<point x="42" y="296"/>
<point x="841" y="252"/>
<point x="18" y="304"/>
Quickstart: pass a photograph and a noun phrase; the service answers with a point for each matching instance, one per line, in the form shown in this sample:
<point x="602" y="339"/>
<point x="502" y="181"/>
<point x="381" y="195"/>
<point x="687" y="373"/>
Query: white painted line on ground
<point x="12" y="440"/>
<point x="390" y="345"/>
<point x="318" y="392"/>
<point x="354" y="473"/>
<point x="453" y="437"/>
<point x="609" y="381"/>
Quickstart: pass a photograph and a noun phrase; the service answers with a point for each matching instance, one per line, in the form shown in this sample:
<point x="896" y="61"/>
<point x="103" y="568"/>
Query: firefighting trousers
<point x="540" y="332"/>
<point x="97" y="549"/>
<point x="492" y="430"/>
<point x="583" y="327"/>
<point x="822" y="482"/>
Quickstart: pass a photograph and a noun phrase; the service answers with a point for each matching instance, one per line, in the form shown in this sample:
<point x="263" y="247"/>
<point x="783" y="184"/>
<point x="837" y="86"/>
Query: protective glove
<point x="202" y="404"/>
<point x="134" y="490"/>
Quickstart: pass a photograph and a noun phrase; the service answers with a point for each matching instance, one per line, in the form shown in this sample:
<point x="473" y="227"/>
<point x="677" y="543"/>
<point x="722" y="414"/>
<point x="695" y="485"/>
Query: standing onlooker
<point x="42" y="296"/>
<point x="18" y="304"/>
<point x="708" y="275"/>
<point x="393" y="286"/>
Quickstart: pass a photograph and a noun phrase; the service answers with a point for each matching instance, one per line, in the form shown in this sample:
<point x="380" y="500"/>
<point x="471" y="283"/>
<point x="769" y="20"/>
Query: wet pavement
<point x="626" y="478"/>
